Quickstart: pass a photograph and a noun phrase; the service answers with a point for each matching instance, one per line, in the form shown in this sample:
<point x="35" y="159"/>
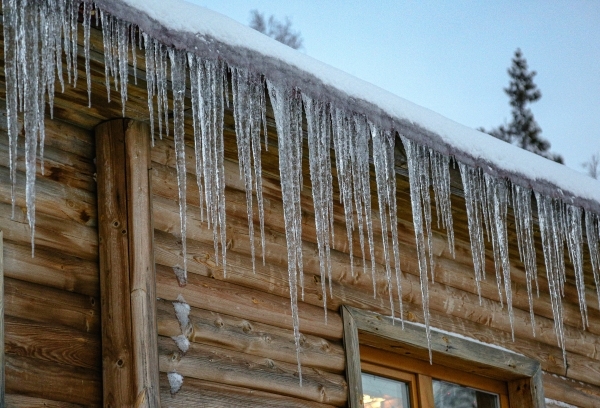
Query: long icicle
<point x="286" y="106"/>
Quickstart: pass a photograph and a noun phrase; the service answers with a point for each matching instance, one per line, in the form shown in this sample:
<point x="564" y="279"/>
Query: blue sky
<point x="452" y="56"/>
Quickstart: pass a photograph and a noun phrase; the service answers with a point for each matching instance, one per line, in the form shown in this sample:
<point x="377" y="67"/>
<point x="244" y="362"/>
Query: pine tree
<point x="280" y="31"/>
<point x="523" y="129"/>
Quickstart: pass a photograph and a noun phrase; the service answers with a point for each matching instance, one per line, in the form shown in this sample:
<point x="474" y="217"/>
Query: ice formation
<point x="175" y="381"/>
<point x="39" y="34"/>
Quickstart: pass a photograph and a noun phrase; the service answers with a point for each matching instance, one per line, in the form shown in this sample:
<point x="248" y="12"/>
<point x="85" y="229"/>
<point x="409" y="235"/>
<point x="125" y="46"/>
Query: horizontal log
<point x="243" y="370"/>
<point x="224" y="297"/>
<point x="164" y="156"/>
<point x="60" y="166"/>
<point x="44" y="305"/>
<point x="198" y="393"/>
<point x="442" y="298"/>
<point x="62" y="136"/>
<point x="274" y="280"/>
<point x="52" y="233"/>
<point x="51" y="268"/>
<point x="52" y="343"/>
<point x="41" y="379"/>
<point x="23" y="401"/>
<point x="247" y="336"/>
<point x="571" y="392"/>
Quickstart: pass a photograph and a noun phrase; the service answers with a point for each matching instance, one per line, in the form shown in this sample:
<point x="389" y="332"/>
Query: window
<point x="388" y="366"/>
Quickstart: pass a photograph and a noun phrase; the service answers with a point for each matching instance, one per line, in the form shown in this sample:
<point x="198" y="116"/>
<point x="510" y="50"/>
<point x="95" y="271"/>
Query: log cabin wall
<point x="242" y="347"/>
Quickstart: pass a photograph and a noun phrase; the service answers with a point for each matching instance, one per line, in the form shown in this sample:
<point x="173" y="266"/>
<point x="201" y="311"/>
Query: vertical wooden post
<point x="127" y="277"/>
<point x="2" y="401"/>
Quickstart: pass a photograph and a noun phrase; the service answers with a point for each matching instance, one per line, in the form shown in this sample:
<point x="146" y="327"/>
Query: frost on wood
<point x="41" y="36"/>
<point x="182" y="311"/>
<point x="175" y="381"/>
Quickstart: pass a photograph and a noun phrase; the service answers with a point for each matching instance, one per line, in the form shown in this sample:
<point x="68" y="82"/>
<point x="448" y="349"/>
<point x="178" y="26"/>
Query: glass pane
<point x="448" y="395"/>
<point x="380" y="392"/>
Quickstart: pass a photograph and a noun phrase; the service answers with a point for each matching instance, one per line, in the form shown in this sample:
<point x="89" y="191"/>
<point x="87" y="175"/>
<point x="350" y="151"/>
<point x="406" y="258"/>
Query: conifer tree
<point x="523" y="129"/>
<point x="280" y="31"/>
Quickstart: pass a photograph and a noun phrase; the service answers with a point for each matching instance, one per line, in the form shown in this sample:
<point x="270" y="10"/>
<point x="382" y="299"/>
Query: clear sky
<point x="452" y="56"/>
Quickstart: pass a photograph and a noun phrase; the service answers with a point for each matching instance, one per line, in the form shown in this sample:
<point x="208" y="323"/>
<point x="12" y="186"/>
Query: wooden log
<point x="52" y="198"/>
<point x="52" y="268"/>
<point x="243" y="370"/>
<point x="142" y="272"/>
<point x="43" y="304"/>
<point x="66" y="168"/>
<point x="250" y="337"/>
<point x="117" y="353"/>
<point x="565" y="390"/>
<point x="130" y="363"/>
<point x="274" y="281"/>
<point x="2" y="333"/>
<point x="53" y="343"/>
<point x="51" y="232"/>
<point x="442" y="298"/>
<point x="52" y="381"/>
<point x="23" y="401"/>
<point x="224" y="297"/>
<point x="199" y="393"/>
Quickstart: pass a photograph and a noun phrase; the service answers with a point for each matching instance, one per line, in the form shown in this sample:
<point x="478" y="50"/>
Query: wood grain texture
<point x="353" y="370"/>
<point x="224" y="297"/>
<point x="24" y="401"/>
<point x="130" y="360"/>
<point x="206" y="394"/>
<point x="49" y="380"/>
<point x="2" y="325"/>
<point x="48" y="342"/>
<point x="243" y="370"/>
<point x="248" y="336"/>
<point x="117" y="353"/>
<point x="142" y="276"/>
<point x="48" y="305"/>
<point x="576" y="393"/>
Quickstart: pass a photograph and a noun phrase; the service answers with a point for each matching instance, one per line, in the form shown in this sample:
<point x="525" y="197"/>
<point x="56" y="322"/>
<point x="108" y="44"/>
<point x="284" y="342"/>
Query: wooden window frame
<point x="522" y="375"/>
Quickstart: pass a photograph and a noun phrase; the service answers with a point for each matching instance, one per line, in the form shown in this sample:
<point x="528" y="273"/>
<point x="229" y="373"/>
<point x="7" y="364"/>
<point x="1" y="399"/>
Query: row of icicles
<point x="38" y="33"/>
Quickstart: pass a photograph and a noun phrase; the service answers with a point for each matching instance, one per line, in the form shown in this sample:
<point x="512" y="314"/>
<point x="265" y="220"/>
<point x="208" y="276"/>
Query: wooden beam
<point x="2" y="402"/>
<point x="353" y="372"/>
<point x="127" y="278"/>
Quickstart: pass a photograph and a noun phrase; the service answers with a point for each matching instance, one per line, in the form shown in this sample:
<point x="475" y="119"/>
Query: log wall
<point x="242" y="347"/>
<point x="241" y="329"/>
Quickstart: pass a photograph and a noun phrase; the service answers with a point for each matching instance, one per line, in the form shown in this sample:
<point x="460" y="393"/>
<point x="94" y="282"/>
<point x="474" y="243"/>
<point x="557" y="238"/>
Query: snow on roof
<point x="194" y="28"/>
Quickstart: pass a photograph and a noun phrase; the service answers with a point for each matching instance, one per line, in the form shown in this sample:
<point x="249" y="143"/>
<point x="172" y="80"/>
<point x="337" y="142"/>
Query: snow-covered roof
<point x="196" y="29"/>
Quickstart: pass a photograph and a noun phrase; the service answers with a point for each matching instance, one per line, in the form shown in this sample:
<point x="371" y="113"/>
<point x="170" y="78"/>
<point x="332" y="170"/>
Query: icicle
<point x="524" y="227"/>
<point x="123" y="53"/>
<point x="440" y="177"/>
<point x="574" y="238"/>
<point x="73" y="10"/>
<point x="151" y="80"/>
<point x="9" y="8"/>
<point x="383" y="159"/>
<point x="497" y="193"/>
<point x="207" y="106"/>
<point x="362" y="188"/>
<point x="132" y="33"/>
<point x="552" y="243"/>
<point x="178" y="63"/>
<point x="471" y="187"/>
<point x="87" y="20"/>
<point x="106" y="21"/>
<point x="319" y="149"/>
<point x="416" y="195"/>
<point x="287" y="109"/>
<point x="592" y="232"/>
<point x="342" y="143"/>
<point x="247" y="89"/>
